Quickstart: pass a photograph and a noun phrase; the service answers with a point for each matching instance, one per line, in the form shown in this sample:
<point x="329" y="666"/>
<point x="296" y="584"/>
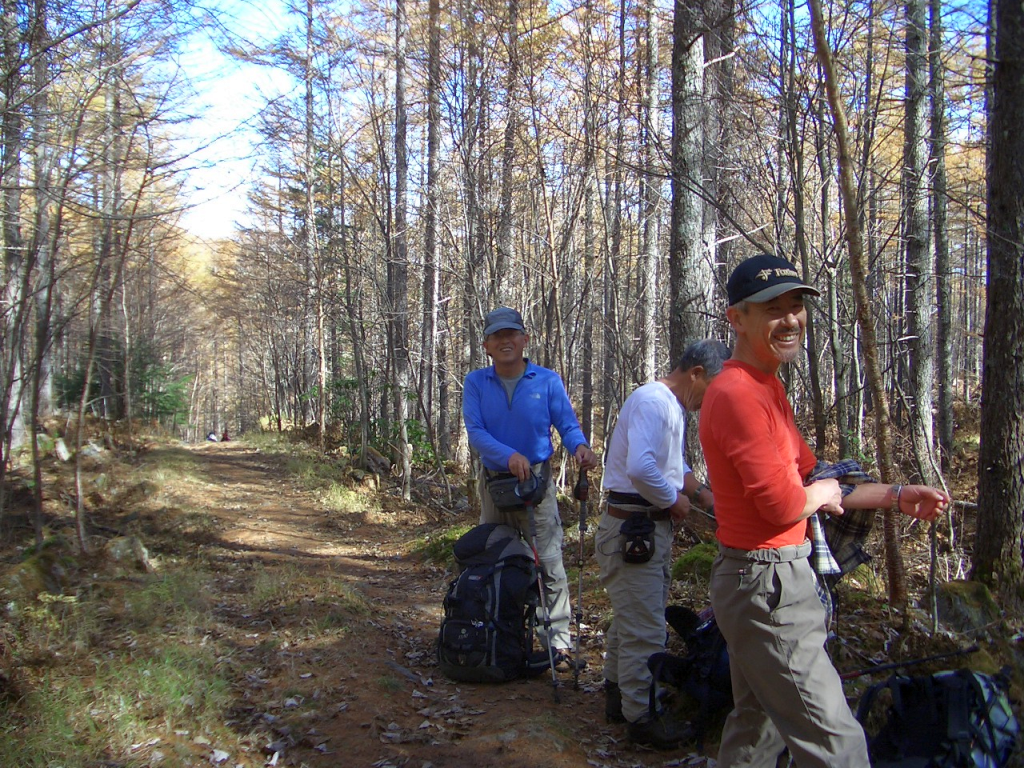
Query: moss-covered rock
<point x="47" y="569"/>
<point x="967" y="606"/>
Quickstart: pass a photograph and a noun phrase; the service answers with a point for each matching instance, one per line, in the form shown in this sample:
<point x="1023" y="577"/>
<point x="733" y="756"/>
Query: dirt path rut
<point x="327" y="684"/>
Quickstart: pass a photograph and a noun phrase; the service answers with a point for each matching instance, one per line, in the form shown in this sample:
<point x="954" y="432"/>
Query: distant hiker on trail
<point x="786" y="691"/>
<point x="650" y="488"/>
<point x="211" y="436"/>
<point x="224" y="438"/>
<point x="509" y="409"/>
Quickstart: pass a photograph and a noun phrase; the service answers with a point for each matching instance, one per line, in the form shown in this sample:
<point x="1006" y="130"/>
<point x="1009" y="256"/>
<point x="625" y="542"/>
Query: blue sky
<point x="229" y="95"/>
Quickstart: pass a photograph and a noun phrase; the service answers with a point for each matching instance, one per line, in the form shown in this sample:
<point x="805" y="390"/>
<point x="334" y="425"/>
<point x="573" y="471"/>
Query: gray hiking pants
<point x="786" y="691"/>
<point x="638" y="592"/>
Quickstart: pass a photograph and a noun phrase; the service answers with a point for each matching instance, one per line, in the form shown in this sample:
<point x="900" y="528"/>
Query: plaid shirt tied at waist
<point x="838" y="540"/>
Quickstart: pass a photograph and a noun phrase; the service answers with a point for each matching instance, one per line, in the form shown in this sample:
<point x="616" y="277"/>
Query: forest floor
<point x="371" y="695"/>
<point x="323" y="620"/>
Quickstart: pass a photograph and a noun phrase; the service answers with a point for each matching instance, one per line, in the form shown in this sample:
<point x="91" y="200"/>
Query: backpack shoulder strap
<point x="870" y="696"/>
<point x="867" y="700"/>
<point x="958" y="711"/>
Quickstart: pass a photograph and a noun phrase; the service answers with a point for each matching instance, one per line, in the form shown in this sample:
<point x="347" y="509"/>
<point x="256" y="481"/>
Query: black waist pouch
<point x="505" y="488"/>
<point x="638" y="538"/>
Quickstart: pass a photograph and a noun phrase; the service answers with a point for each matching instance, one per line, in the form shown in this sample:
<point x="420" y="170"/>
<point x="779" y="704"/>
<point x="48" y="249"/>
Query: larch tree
<point x="917" y="238"/>
<point x="690" y="263"/>
<point x="894" y="563"/>
<point x="1000" y="534"/>
<point x="398" y="269"/>
<point x="940" y="229"/>
<point x="431" y="251"/>
<point x="651" y="196"/>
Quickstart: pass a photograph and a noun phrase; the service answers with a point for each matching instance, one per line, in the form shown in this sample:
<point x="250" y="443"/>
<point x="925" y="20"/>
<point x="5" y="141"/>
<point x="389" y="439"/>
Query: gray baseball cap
<point x="501" y="319"/>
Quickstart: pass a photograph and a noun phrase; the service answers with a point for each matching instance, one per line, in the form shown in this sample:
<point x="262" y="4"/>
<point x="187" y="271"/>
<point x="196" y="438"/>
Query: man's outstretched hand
<point x="923" y="502"/>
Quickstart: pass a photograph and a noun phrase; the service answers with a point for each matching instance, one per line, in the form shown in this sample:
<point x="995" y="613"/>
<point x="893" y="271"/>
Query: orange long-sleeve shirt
<point x="756" y="459"/>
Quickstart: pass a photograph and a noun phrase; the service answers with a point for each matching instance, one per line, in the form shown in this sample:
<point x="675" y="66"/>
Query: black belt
<point x="621" y="497"/>
<point x="653" y="513"/>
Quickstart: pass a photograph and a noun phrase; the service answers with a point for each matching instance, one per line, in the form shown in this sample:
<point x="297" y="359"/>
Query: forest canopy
<point x="598" y="166"/>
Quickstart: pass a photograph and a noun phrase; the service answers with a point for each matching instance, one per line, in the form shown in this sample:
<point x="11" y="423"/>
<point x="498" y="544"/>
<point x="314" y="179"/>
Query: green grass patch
<point x="55" y="624"/>
<point x="180" y="688"/>
<point x="165" y="464"/>
<point x="313" y="470"/>
<point x="271" y="586"/>
<point x="339" y="498"/>
<point x="436" y="547"/>
<point x="268" y="441"/>
<point x="390" y="684"/>
<point x="177" y="599"/>
<point x="325" y="601"/>
<point x="92" y="713"/>
<point x="695" y="564"/>
<point x="861" y="586"/>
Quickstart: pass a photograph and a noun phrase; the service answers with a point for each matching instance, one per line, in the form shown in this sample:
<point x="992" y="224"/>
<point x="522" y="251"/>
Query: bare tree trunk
<point x="43" y="245"/>
<point x="314" y="266"/>
<point x="611" y="379"/>
<point x="940" y="205"/>
<point x="505" y="249"/>
<point x="431" y="257"/>
<point x="893" y="558"/>
<point x="474" y="308"/>
<point x="111" y="241"/>
<point x="15" y="309"/>
<point x="796" y="154"/>
<point x="918" y="254"/>
<point x="690" y="265"/>
<point x="354" y="324"/>
<point x="41" y="379"/>
<point x="398" y="292"/>
<point x="589" y="241"/>
<point x="648" y="258"/>
<point x="997" y="553"/>
<point x="835" y="287"/>
<point x="725" y="179"/>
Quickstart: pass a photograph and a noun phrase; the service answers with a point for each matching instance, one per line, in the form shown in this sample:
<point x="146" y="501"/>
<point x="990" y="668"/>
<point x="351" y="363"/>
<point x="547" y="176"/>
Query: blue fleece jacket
<point x="497" y="428"/>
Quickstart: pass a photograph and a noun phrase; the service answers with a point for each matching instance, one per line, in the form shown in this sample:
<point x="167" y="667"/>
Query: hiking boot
<point x="564" y="662"/>
<point x="660" y="732"/>
<point x="613" y="703"/>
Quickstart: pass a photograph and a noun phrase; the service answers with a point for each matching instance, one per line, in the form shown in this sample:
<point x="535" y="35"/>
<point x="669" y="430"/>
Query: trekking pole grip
<point x="582" y="489"/>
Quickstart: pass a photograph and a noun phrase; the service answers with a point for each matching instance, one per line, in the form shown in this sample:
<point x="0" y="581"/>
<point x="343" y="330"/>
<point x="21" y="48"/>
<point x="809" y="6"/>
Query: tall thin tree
<point x="917" y="236"/>
<point x="1000" y="534"/>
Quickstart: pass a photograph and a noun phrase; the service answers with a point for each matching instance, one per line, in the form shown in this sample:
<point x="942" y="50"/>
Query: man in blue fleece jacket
<point x="509" y="409"/>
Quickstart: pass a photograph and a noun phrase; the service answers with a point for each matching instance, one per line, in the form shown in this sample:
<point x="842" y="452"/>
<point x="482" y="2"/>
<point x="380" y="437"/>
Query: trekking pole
<point x="900" y="664"/>
<point x="526" y="493"/>
<point x="581" y="492"/>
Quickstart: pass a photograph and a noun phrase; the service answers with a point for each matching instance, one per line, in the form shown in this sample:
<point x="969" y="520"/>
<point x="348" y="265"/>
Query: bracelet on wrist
<point x="894" y="499"/>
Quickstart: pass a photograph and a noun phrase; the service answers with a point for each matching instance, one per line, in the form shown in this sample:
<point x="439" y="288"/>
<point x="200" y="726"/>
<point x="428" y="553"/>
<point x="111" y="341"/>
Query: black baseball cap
<point x="501" y="319"/>
<point x="763" y="277"/>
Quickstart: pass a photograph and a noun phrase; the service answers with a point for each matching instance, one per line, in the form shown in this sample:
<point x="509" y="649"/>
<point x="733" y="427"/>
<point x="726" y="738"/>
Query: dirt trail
<point x="364" y="690"/>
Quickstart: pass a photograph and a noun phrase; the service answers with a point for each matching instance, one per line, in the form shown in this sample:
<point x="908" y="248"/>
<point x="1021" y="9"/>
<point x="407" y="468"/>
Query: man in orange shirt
<point x="786" y="691"/>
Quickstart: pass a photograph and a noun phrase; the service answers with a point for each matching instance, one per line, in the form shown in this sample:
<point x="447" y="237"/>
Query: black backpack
<point x="953" y="719"/>
<point x="703" y="673"/>
<point x="487" y="632"/>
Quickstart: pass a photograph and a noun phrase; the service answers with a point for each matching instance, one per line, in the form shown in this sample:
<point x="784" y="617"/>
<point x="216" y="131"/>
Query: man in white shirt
<point x="650" y="488"/>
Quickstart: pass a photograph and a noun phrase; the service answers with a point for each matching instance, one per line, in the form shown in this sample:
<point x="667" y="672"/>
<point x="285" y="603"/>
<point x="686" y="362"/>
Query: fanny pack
<point x="637" y="538"/>
<point x="507" y="492"/>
